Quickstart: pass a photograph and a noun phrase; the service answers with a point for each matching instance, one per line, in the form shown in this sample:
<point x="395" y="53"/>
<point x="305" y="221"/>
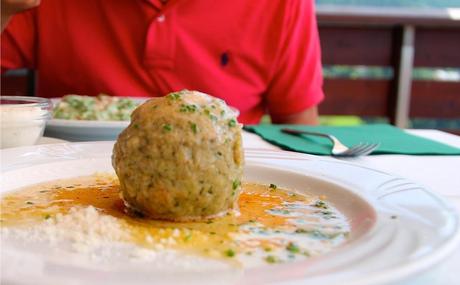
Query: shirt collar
<point x="156" y="3"/>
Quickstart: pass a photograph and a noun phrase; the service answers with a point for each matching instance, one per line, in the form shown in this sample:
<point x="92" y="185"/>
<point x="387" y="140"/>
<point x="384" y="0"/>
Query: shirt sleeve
<point x="296" y="78"/>
<point x="18" y="42"/>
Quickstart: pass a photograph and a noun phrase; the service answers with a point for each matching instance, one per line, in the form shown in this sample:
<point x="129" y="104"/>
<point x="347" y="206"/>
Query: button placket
<point x="161" y="18"/>
<point x="160" y="42"/>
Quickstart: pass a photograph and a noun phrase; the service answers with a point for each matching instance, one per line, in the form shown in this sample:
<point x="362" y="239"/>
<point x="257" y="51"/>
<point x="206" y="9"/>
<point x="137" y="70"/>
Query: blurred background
<point x="395" y="61"/>
<point x="392" y="61"/>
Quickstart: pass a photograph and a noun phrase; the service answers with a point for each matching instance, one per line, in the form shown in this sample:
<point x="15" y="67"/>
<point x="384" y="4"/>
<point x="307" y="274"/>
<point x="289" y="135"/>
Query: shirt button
<point x="161" y="18"/>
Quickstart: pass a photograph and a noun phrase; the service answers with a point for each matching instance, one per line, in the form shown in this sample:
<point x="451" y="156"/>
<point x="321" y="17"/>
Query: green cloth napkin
<point x="392" y="139"/>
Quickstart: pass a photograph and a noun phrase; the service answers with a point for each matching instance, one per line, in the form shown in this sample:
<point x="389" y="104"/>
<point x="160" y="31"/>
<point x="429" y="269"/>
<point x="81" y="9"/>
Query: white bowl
<point x="22" y="120"/>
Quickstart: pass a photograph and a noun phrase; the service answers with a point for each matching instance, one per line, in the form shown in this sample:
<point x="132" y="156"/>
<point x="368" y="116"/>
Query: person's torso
<point x="144" y="49"/>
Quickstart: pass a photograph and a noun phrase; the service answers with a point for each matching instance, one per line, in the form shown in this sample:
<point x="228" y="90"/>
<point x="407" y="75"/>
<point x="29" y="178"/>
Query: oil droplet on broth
<point x="270" y="219"/>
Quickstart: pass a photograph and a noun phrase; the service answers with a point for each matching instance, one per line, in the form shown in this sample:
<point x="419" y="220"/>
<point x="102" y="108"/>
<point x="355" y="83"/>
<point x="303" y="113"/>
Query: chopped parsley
<point x="47" y="216"/>
<point x="174" y="96"/>
<point x="184" y="108"/>
<point x="29" y="203"/>
<point x="232" y="123"/>
<point x="208" y="113"/>
<point x="187" y="237"/>
<point x="271" y="259"/>
<point x="193" y="127"/>
<point x="316" y="234"/>
<point x="292" y="247"/>
<point x="230" y="252"/>
<point x="272" y="186"/>
<point x="236" y="183"/>
<point x="167" y="127"/>
<point x="320" y="204"/>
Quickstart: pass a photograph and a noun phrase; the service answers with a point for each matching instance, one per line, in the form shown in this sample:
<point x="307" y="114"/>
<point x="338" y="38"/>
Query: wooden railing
<point x="391" y="37"/>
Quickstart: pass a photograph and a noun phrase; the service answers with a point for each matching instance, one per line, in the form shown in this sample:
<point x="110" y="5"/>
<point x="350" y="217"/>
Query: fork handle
<point x="298" y="132"/>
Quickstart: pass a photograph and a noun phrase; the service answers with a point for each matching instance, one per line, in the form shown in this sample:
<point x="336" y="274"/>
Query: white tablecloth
<point x="440" y="174"/>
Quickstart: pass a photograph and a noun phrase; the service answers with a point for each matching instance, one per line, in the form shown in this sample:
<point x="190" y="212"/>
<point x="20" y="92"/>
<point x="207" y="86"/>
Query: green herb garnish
<point x="187" y="237"/>
<point x="271" y="259"/>
<point x="167" y="127"/>
<point x="174" y="96"/>
<point x="193" y="127"/>
<point x="320" y="204"/>
<point x="184" y="108"/>
<point x="235" y="184"/>
<point x="232" y="123"/>
<point x="273" y="186"/>
<point x="292" y="247"/>
<point x="230" y="253"/>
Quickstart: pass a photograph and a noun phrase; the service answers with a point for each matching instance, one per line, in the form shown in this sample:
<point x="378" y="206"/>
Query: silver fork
<point x="338" y="148"/>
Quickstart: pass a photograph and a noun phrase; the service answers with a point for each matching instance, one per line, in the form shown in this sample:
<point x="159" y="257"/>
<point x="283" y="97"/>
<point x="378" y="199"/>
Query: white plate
<point x="381" y="249"/>
<point x="79" y="130"/>
<point x="48" y="140"/>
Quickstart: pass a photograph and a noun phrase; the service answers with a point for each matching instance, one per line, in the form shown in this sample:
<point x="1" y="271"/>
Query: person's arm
<point x="19" y="39"/>
<point x="11" y="7"/>
<point x="306" y="117"/>
<point x="295" y="87"/>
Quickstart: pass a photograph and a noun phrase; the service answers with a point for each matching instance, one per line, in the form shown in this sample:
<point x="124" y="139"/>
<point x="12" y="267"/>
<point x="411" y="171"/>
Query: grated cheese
<point x="84" y="227"/>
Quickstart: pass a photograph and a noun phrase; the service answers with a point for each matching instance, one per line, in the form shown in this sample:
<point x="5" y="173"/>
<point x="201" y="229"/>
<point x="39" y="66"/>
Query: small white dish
<point x="79" y="130"/>
<point x="22" y="120"/>
<point x="399" y="228"/>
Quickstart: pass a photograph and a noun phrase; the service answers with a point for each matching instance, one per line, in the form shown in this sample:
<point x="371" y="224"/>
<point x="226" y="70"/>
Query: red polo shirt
<point x="259" y="56"/>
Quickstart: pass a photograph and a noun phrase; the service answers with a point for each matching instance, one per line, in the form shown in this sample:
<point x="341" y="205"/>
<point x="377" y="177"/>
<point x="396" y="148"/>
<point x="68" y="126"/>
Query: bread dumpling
<point x="181" y="157"/>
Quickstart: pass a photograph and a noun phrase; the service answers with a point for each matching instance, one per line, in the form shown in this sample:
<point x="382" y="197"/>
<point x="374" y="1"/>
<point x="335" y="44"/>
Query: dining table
<point x="438" y="173"/>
